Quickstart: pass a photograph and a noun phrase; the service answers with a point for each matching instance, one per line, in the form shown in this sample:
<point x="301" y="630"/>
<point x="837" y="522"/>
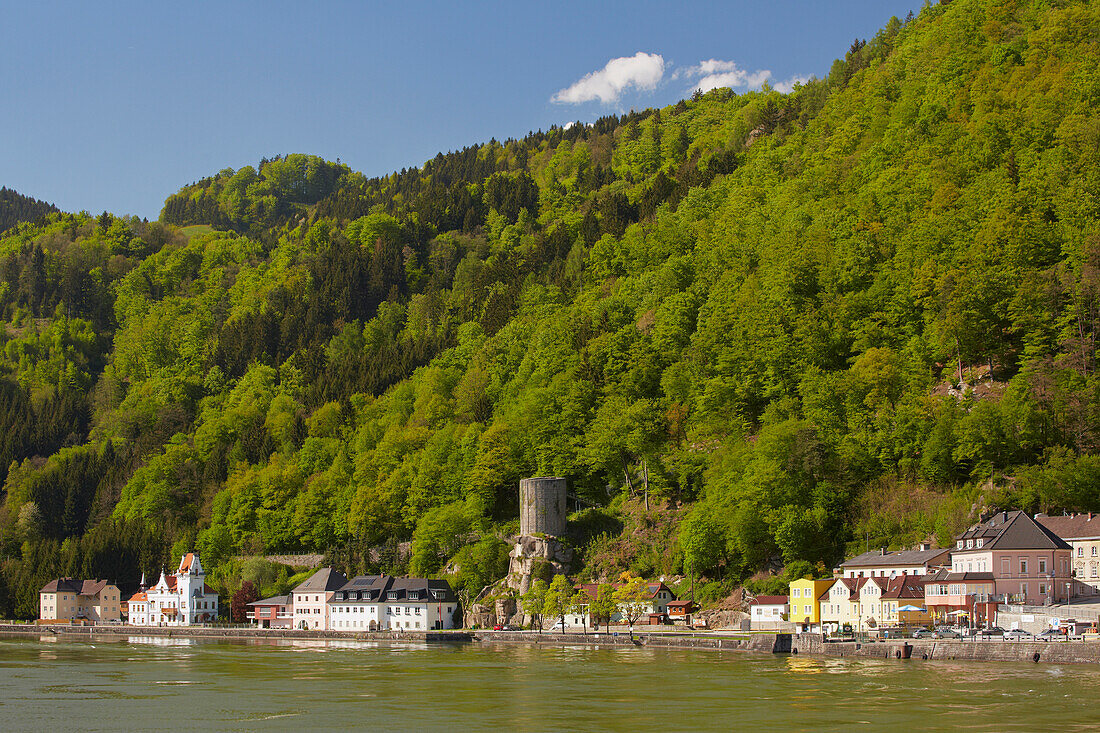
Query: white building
<point x="180" y="599"/>
<point x="658" y="596"/>
<point x="766" y="612"/>
<point x="882" y="563"/>
<point x="382" y="603"/>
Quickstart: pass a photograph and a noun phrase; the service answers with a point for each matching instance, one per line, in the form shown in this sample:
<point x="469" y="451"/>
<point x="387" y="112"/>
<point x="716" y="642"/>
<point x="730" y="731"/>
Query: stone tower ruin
<point x="542" y="506"/>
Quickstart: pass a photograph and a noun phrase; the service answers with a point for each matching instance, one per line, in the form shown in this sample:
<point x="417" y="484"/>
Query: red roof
<point x="185" y="564"/>
<point x="769" y="601"/>
<point x="140" y="596"/>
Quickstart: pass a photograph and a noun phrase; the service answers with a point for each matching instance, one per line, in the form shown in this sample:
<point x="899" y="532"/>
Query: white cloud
<point x="786" y="87"/>
<point x="714" y="73"/>
<point x="641" y="71"/>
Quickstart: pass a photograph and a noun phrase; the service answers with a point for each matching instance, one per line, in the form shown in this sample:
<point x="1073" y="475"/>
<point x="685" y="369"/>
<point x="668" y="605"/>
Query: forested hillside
<point x="752" y="330"/>
<point x="16" y="208"/>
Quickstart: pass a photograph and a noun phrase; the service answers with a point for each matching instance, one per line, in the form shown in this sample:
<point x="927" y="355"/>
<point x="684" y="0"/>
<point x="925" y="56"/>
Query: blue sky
<point x="115" y="105"/>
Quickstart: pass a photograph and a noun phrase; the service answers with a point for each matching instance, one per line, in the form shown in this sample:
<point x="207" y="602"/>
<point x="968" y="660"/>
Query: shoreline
<point x="814" y="645"/>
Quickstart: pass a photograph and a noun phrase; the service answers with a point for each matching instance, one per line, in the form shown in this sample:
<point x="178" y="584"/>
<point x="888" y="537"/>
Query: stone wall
<point x="1056" y="652"/>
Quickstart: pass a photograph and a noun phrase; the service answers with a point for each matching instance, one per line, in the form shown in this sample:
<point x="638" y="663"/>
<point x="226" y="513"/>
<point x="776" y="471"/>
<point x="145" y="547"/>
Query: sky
<point x="113" y="106"/>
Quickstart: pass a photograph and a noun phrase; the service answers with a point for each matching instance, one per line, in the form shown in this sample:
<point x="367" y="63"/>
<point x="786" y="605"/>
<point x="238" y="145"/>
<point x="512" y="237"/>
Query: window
<point x="1094" y="550"/>
<point x="797" y="592"/>
<point x="1042" y="589"/>
<point x="978" y="543"/>
<point x="959" y="545"/>
<point x="1042" y="566"/>
<point x="1023" y="566"/>
<point x="1081" y="551"/>
<point x="969" y="544"/>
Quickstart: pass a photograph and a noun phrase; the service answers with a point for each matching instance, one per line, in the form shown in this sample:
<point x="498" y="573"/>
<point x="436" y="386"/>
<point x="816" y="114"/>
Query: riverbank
<point x="1060" y="652"/>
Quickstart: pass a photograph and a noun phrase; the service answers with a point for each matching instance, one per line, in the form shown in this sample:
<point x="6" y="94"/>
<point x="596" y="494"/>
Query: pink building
<point x="1027" y="563"/>
<point x="966" y="599"/>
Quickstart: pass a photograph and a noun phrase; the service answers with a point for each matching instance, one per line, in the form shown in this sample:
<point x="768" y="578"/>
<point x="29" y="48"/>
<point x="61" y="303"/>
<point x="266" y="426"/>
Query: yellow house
<point x="805" y="609"/>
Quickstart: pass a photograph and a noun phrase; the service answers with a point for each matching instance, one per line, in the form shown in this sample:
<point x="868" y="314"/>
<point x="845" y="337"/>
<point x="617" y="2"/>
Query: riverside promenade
<point x="1057" y="652"/>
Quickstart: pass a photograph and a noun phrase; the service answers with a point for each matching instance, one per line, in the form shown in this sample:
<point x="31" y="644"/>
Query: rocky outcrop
<point x="528" y="552"/>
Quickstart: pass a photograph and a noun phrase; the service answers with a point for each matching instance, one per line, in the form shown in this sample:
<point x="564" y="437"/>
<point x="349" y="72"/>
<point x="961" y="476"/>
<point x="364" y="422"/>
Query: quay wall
<point x="1055" y="652"/>
<point x="1059" y="652"/>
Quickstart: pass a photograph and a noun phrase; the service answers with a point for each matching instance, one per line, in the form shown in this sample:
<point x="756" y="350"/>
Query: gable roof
<point x="879" y="558"/>
<point x="74" y="586"/>
<point x="904" y="586"/>
<point x="769" y="601"/>
<point x="1014" y="531"/>
<point x="325" y="579"/>
<point x="1073" y="526"/>
<point x="273" y="601"/>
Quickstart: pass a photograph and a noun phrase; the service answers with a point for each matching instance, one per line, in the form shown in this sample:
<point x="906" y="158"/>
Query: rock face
<point x="528" y="551"/>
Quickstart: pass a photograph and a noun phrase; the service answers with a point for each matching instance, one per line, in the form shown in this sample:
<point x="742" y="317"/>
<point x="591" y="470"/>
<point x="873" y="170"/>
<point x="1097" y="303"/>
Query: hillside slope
<point x="763" y="313"/>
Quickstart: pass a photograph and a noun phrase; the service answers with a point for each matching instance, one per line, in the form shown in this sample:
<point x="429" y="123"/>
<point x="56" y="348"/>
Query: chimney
<point x="924" y="546"/>
<point x="885" y="551"/>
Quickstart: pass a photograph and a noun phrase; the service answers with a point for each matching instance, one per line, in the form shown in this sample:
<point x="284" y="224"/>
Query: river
<point x="105" y="683"/>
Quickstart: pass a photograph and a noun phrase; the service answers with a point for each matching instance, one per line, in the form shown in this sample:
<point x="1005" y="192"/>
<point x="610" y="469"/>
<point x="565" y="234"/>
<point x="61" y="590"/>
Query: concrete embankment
<point x="1060" y="652"/>
<point x="1064" y="652"/>
<point x="201" y="632"/>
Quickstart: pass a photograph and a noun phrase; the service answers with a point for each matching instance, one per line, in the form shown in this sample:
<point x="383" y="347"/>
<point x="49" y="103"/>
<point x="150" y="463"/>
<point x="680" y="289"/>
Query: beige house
<point x="84" y="601"/>
<point x="310" y="600"/>
<point x="869" y="603"/>
<point x="1082" y="532"/>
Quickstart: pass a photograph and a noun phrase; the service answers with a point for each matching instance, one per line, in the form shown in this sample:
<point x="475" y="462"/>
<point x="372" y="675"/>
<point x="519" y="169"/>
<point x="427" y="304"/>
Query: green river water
<point x="145" y="683"/>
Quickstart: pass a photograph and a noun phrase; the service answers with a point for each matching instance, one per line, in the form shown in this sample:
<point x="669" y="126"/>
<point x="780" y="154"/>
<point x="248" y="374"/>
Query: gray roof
<point x="876" y="558"/>
<point x="273" y="601"/>
<point x="380" y="587"/>
<point x="1073" y="526"/>
<point x="947" y="576"/>
<point x="325" y="579"/>
<point x="1014" y="531"/>
<point x="74" y="585"/>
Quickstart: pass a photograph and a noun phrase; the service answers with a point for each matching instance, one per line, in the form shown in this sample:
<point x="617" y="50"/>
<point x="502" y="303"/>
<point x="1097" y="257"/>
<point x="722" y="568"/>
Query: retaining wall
<point x="1057" y="652"/>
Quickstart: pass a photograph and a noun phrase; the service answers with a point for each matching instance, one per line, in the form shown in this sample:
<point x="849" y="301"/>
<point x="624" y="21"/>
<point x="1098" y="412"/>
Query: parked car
<point x="498" y="627"/>
<point x="1051" y="635"/>
<point x="923" y="634"/>
<point x="946" y="633"/>
<point x="1018" y="635"/>
<point x="992" y="631"/>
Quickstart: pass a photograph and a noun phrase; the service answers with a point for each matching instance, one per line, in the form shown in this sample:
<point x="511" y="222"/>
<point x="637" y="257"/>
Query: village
<point x="1012" y="575"/>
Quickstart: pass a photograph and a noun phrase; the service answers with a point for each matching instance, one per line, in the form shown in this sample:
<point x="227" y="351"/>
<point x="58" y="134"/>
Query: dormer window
<point x="969" y="544"/>
<point x="979" y="543"/>
<point x="959" y="545"/>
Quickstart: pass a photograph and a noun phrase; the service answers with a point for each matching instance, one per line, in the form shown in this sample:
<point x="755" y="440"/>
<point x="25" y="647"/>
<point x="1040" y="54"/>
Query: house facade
<point x="767" y="613"/>
<point x="1029" y="563"/>
<point x="961" y="598"/>
<point x="276" y="612"/>
<point x="310" y="600"/>
<point x="1082" y="532"/>
<point x="882" y="563"/>
<point x="867" y="603"/>
<point x="656" y="604"/>
<point x="84" y="601"/>
<point x="385" y="603"/>
<point x="805" y="602"/>
<point x="180" y="599"/>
